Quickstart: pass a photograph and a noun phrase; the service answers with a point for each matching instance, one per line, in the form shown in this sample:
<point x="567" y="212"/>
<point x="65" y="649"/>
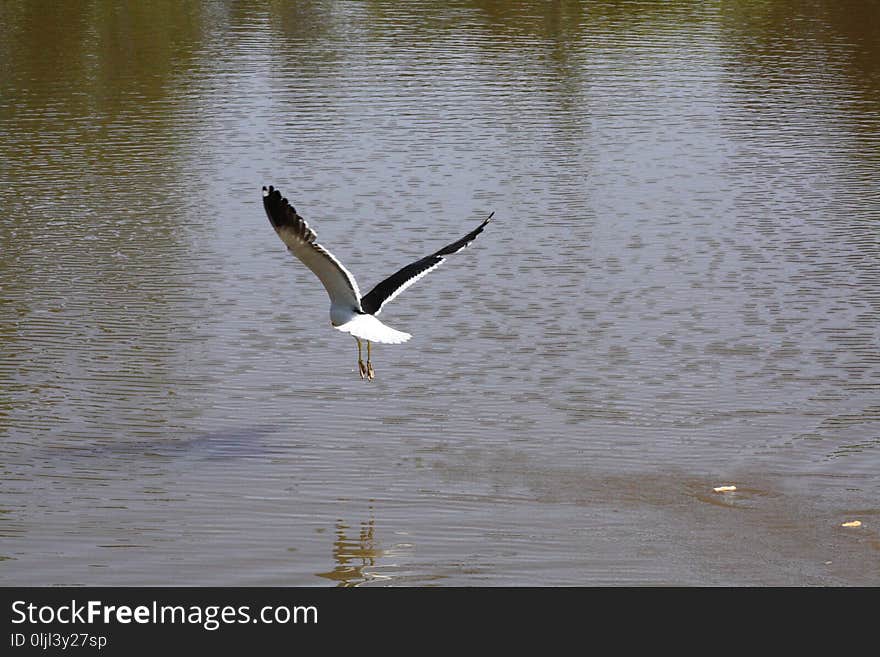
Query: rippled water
<point x="681" y="289"/>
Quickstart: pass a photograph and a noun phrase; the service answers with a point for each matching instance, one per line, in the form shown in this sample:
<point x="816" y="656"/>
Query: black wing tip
<point x="270" y="193"/>
<point x="276" y="207"/>
<point x="479" y="229"/>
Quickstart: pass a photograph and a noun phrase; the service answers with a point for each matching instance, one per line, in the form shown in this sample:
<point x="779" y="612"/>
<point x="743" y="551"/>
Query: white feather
<point x="337" y="280"/>
<point x="367" y="327"/>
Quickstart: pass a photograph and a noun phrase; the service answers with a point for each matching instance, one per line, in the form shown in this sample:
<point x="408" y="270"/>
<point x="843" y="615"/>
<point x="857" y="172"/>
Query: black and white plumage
<point x="349" y="311"/>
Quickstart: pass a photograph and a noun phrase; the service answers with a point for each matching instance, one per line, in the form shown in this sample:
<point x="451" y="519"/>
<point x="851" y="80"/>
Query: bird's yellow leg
<point x="370" y="372"/>
<point x="361" y="367"/>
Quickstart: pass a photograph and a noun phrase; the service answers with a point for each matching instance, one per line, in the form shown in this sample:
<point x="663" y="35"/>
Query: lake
<point x="680" y="291"/>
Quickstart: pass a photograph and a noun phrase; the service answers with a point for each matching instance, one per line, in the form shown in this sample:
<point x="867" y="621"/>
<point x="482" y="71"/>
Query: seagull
<point x="349" y="311"/>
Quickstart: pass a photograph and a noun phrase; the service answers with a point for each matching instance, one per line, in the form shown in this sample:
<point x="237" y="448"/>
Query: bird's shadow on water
<point x="232" y="443"/>
<point x="224" y="444"/>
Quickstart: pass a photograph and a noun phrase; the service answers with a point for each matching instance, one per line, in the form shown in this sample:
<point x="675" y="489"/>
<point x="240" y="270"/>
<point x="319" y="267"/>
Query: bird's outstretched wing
<point x="300" y="240"/>
<point x="385" y="291"/>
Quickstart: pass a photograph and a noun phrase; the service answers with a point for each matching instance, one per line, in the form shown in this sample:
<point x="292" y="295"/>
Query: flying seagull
<point x="349" y="311"/>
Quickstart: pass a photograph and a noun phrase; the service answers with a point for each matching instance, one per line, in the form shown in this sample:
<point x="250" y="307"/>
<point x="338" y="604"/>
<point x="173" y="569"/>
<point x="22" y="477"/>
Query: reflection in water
<point x="355" y="556"/>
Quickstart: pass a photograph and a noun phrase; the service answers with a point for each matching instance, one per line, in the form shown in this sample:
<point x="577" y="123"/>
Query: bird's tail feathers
<point x="367" y="327"/>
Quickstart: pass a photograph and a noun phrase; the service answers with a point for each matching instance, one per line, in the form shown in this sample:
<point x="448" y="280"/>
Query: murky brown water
<point x="681" y="289"/>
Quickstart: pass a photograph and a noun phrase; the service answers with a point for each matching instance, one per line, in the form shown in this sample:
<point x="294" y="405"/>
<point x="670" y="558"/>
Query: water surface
<point x="680" y="289"/>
